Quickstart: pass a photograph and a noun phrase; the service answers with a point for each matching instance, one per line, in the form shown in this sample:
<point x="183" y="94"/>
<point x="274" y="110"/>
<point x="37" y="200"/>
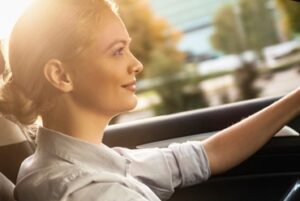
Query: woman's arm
<point x="233" y="145"/>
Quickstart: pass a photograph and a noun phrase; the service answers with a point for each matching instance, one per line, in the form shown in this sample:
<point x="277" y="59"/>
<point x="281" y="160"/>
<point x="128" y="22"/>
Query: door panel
<point x="268" y="175"/>
<point x="251" y="188"/>
<point x="182" y="124"/>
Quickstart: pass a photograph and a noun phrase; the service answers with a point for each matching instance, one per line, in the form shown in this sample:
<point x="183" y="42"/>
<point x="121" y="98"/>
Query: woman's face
<point x="104" y="74"/>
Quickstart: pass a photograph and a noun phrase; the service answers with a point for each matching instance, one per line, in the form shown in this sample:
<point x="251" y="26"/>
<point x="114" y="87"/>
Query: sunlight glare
<point x="10" y="10"/>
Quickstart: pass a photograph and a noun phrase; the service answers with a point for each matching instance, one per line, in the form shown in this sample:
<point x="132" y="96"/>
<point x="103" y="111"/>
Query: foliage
<point x="154" y="40"/>
<point x="154" y="44"/>
<point x="179" y="102"/>
<point x="291" y="16"/>
<point x="251" y="29"/>
<point x="244" y="79"/>
<point x="226" y="36"/>
<point x="249" y="25"/>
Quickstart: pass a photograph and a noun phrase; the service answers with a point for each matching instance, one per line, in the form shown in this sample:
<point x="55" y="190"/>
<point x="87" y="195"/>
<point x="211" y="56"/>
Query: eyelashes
<point x="119" y="52"/>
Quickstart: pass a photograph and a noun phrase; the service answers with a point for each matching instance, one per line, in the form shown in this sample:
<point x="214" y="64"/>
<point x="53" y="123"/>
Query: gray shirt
<point x="64" y="168"/>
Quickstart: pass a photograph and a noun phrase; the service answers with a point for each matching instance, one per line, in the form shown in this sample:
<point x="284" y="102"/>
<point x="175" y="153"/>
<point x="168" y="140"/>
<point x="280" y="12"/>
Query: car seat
<point x="14" y="148"/>
<point x="6" y="189"/>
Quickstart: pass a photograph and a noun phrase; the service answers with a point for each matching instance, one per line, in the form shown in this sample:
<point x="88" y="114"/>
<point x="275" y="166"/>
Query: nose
<point x="136" y="66"/>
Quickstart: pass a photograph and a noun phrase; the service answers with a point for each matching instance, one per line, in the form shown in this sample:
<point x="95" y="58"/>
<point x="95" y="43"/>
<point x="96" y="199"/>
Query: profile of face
<point x="104" y="74"/>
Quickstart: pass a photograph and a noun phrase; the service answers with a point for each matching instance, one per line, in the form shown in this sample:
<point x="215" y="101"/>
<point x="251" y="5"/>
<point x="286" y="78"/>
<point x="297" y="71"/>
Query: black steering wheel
<point x="294" y="192"/>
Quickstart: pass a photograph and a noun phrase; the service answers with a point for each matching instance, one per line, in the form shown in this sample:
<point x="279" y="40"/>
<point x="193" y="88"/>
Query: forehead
<point x="110" y="29"/>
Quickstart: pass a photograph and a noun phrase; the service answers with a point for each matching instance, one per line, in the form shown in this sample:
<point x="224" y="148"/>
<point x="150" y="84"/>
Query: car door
<point x="268" y="175"/>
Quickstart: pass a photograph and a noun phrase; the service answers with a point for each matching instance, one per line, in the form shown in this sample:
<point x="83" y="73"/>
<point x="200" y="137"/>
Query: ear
<point x="57" y="76"/>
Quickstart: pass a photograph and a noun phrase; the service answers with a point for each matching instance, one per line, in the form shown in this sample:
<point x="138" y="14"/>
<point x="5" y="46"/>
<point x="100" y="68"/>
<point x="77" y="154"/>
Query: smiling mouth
<point x="130" y="86"/>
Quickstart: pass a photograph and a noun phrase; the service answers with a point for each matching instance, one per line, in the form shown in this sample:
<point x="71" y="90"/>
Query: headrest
<point x="10" y="133"/>
<point x="6" y="189"/>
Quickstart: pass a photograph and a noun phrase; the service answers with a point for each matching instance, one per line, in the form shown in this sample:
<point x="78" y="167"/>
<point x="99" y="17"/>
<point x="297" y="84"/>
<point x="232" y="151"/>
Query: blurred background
<point x="204" y="53"/>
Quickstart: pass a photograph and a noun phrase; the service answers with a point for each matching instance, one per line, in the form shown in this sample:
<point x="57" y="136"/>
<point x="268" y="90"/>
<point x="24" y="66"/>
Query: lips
<point x="131" y="86"/>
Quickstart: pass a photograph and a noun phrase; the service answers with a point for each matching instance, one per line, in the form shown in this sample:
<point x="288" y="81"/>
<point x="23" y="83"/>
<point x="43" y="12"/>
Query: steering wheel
<point x="294" y="192"/>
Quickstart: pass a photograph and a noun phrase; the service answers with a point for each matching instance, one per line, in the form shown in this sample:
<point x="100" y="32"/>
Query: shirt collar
<point x="98" y="157"/>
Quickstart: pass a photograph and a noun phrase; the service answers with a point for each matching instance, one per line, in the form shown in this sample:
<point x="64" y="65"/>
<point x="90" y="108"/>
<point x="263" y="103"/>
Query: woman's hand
<point x="233" y="145"/>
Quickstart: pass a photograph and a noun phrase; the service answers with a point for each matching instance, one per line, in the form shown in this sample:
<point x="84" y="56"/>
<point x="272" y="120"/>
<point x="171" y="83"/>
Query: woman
<point x="71" y="64"/>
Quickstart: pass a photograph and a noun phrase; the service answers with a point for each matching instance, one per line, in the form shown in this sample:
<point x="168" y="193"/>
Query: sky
<point x="184" y="15"/>
<point x="189" y="13"/>
<point x="10" y="11"/>
<point x="193" y="18"/>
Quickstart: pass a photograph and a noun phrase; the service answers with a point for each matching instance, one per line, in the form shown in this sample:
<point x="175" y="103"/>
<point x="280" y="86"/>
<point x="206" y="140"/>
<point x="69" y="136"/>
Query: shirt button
<point x="127" y="167"/>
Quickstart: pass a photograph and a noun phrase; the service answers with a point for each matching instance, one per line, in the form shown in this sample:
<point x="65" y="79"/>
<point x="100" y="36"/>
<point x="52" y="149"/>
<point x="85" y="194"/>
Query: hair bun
<point x="2" y="62"/>
<point x="14" y="102"/>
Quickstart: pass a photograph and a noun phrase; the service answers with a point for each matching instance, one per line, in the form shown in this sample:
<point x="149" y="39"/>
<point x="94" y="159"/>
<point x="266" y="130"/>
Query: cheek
<point x="98" y="89"/>
<point x="95" y="86"/>
<point x="102" y="90"/>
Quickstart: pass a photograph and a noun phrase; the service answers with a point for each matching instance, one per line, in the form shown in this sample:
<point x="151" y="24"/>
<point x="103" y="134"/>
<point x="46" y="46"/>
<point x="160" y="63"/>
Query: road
<point x="280" y="84"/>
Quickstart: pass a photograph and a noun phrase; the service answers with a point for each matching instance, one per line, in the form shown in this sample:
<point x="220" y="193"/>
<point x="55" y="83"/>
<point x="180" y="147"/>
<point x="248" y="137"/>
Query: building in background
<point x="194" y="18"/>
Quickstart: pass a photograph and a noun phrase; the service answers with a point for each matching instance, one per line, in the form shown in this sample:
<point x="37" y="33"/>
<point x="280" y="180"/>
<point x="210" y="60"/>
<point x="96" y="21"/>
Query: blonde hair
<point x="2" y="62"/>
<point x="48" y="29"/>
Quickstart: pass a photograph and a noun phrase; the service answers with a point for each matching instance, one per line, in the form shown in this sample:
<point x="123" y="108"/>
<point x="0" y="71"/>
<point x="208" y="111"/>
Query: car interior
<point x="14" y="148"/>
<point x="270" y="174"/>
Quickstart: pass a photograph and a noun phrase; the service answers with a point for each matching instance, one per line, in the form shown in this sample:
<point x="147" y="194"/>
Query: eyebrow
<point x="116" y="42"/>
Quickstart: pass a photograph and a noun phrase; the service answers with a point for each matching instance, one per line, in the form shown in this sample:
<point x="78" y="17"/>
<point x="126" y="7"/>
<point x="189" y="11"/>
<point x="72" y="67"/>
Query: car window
<point x="199" y="54"/>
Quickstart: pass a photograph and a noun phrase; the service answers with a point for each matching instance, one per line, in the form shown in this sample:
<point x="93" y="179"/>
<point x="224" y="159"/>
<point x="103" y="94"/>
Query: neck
<point x="77" y="122"/>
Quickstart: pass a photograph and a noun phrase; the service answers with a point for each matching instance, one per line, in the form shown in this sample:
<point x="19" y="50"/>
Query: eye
<point x="119" y="52"/>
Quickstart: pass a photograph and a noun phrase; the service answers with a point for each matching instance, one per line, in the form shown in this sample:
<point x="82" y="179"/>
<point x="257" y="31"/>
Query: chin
<point x="127" y="105"/>
<point x="131" y="104"/>
<point x="128" y="108"/>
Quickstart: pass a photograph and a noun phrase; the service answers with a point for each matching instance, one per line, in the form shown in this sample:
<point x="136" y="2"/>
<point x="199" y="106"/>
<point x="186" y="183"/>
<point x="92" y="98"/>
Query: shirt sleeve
<point x="164" y="169"/>
<point x="192" y="162"/>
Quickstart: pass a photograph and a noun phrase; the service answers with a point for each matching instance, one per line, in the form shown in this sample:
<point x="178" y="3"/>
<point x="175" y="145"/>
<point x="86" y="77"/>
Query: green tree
<point x="251" y="29"/>
<point x="291" y="16"/>
<point x="244" y="79"/>
<point x="226" y="37"/>
<point x="154" y="44"/>
<point x="153" y="38"/>
<point x="247" y="26"/>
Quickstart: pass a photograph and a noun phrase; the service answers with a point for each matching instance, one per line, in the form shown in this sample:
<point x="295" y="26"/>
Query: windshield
<point x="207" y="53"/>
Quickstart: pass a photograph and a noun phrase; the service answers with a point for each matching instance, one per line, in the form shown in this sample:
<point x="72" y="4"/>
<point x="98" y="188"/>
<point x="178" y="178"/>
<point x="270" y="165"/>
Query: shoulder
<point x="67" y="181"/>
<point x="45" y="183"/>
<point x="108" y="191"/>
